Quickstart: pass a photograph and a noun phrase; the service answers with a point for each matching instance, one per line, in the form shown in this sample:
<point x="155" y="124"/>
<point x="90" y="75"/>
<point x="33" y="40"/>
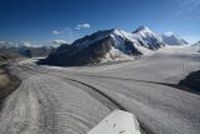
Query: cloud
<point x="25" y="43"/>
<point x="58" y="42"/>
<point x="18" y="44"/>
<point x="56" y="32"/>
<point x="2" y="42"/>
<point x="7" y="43"/>
<point x="82" y="26"/>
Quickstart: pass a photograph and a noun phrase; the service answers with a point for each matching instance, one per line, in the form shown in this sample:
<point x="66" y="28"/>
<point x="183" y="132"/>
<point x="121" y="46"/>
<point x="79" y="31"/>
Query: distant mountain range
<point x="196" y="46"/>
<point x="34" y="51"/>
<point x="172" y="39"/>
<point x="100" y="47"/>
<point x="110" y="46"/>
<point x="25" y="51"/>
<point x="6" y="54"/>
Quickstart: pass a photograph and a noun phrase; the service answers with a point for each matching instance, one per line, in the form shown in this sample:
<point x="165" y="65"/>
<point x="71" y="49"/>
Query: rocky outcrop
<point x="192" y="82"/>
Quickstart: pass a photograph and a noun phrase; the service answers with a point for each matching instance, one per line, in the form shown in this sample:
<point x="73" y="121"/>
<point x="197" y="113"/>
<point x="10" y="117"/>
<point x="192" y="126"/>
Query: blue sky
<point x="41" y="21"/>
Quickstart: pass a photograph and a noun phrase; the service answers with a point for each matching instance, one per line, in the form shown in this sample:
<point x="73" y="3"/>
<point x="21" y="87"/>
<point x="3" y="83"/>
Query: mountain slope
<point x="147" y="38"/>
<point x="26" y="51"/>
<point x="172" y="39"/>
<point x="196" y="46"/>
<point x="34" y="51"/>
<point x="6" y="54"/>
<point x="106" y="46"/>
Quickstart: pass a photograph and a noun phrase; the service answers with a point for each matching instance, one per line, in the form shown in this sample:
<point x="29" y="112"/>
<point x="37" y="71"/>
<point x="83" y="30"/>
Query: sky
<point x="43" y="21"/>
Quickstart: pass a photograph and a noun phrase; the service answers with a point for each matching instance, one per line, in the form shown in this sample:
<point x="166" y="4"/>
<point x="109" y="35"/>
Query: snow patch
<point x="118" y="122"/>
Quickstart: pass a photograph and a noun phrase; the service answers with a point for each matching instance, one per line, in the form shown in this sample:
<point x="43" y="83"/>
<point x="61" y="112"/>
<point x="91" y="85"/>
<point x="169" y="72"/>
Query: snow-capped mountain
<point x="196" y="46"/>
<point x="147" y="38"/>
<point x="106" y="46"/>
<point x="170" y="38"/>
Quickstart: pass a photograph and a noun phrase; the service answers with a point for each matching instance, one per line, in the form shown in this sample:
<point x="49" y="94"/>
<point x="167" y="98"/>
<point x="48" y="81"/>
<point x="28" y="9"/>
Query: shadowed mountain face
<point x="34" y="51"/>
<point x="105" y="46"/>
<point x="89" y="55"/>
<point x="192" y="82"/>
<point x="63" y="57"/>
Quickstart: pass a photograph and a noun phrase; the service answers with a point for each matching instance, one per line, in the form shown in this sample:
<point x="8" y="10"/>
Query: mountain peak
<point x="170" y="34"/>
<point x="171" y="38"/>
<point x="142" y="29"/>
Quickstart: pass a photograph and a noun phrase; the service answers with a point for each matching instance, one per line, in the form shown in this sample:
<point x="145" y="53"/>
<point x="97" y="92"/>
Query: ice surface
<point x="75" y="99"/>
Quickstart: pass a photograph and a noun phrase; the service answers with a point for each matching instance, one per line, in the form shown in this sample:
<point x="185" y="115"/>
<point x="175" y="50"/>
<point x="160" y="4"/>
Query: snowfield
<point x="73" y="100"/>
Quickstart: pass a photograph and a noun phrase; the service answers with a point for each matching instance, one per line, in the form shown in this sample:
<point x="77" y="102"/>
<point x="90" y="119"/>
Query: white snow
<point x="118" y="122"/>
<point x="114" y="55"/>
<point x="196" y="45"/>
<point x="143" y="34"/>
<point x="117" y="53"/>
<point x="169" y="34"/>
<point x="171" y="38"/>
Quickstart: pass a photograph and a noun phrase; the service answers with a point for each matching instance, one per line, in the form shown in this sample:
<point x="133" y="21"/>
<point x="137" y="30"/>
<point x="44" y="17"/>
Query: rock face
<point x="173" y="40"/>
<point x="105" y="46"/>
<point x="70" y="57"/>
<point x="34" y="51"/>
<point x="6" y="54"/>
<point x="192" y="82"/>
